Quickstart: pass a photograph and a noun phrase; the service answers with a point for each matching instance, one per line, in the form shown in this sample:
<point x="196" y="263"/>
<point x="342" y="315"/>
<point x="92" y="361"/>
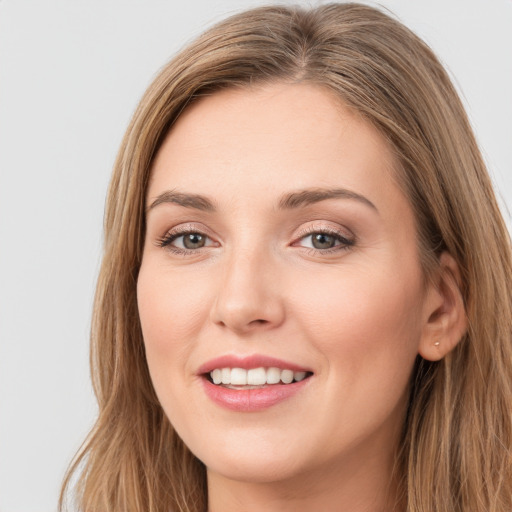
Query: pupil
<point x="323" y="241"/>
<point x="193" y="241"/>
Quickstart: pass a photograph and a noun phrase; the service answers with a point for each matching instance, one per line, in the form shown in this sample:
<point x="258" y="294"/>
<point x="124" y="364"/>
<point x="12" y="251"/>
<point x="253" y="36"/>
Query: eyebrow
<point x="195" y="201"/>
<point x="315" y="195"/>
<point x="287" y="202"/>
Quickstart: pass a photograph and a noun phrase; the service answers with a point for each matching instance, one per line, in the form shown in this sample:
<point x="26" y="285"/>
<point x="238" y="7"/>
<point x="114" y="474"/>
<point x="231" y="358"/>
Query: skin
<point x="357" y="316"/>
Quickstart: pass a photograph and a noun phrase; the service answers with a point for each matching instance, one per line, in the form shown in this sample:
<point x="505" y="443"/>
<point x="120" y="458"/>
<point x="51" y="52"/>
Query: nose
<point x="249" y="297"/>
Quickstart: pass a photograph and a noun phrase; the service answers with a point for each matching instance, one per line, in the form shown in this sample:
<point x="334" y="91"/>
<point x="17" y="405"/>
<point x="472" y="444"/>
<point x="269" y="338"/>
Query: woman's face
<point x="278" y="238"/>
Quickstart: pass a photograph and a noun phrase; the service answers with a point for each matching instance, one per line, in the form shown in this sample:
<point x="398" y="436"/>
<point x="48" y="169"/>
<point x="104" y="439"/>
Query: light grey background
<point x="71" y="73"/>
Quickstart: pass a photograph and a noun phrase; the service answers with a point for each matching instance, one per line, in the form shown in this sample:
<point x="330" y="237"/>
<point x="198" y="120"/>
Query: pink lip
<point x="248" y="362"/>
<point x="250" y="400"/>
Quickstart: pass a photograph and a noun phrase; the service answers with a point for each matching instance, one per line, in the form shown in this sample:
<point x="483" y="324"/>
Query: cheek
<point x="171" y="307"/>
<point x="367" y="323"/>
<point x="172" y="313"/>
<point x="367" y="330"/>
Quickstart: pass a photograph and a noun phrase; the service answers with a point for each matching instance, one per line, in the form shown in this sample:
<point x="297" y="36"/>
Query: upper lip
<point x="248" y="362"/>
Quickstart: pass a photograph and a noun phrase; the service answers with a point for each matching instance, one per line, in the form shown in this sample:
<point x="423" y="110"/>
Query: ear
<point x="445" y="316"/>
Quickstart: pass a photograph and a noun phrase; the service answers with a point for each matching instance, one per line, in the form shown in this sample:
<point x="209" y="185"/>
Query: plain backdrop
<point x="71" y="73"/>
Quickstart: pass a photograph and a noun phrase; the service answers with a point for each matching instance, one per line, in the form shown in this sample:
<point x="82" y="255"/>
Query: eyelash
<point x="345" y="243"/>
<point x="166" y="241"/>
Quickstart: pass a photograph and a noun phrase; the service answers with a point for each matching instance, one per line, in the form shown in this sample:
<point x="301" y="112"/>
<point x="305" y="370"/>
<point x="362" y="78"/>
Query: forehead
<point x="270" y="139"/>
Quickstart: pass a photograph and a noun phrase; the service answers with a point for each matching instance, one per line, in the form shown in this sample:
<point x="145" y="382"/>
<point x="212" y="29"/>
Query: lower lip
<point x="250" y="400"/>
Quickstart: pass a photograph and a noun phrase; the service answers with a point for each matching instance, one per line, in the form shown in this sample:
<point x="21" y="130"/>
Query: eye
<point x="185" y="241"/>
<point x="324" y="240"/>
<point x="190" y="241"/>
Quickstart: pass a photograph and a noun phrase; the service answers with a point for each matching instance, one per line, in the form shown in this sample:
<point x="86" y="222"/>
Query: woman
<point x="305" y="301"/>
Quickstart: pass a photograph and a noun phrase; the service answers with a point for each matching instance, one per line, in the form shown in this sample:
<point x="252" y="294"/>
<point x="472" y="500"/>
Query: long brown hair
<point x="456" y="448"/>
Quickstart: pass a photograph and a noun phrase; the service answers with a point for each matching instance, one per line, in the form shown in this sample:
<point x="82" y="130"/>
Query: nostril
<point x="258" y="322"/>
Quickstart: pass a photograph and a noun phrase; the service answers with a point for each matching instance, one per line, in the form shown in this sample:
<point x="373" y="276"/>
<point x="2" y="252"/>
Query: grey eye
<point x="193" y="241"/>
<point x="323" y="241"/>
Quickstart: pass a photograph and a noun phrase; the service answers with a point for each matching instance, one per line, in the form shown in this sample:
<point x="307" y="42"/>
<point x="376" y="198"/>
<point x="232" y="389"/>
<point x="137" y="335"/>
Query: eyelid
<point x="318" y="227"/>
<point x="175" y="232"/>
<point x="347" y="240"/>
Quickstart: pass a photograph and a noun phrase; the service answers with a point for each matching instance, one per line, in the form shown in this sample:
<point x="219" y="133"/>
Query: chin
<point x="255" y="469"/>
<point x="250" y="457"/>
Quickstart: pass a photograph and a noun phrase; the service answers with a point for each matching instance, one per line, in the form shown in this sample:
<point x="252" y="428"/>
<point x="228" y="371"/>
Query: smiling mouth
<point x="254" y="378"/>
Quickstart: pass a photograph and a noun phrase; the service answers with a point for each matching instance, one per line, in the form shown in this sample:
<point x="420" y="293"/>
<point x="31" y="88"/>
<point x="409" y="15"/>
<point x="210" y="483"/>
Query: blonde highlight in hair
<point x="455" y="453"/>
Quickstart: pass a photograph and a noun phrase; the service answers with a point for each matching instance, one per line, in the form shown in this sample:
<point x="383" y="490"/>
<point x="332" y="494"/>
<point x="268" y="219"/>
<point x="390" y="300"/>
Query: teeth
<point x="238" y="377"/>
<point x="273" y="375"/>
<point x="216" y="376"/>
<point x="287" y="376"/>
<point x="298" y="376"/>
<point x="255" y="376"/>
<point x="226" y="376"/>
